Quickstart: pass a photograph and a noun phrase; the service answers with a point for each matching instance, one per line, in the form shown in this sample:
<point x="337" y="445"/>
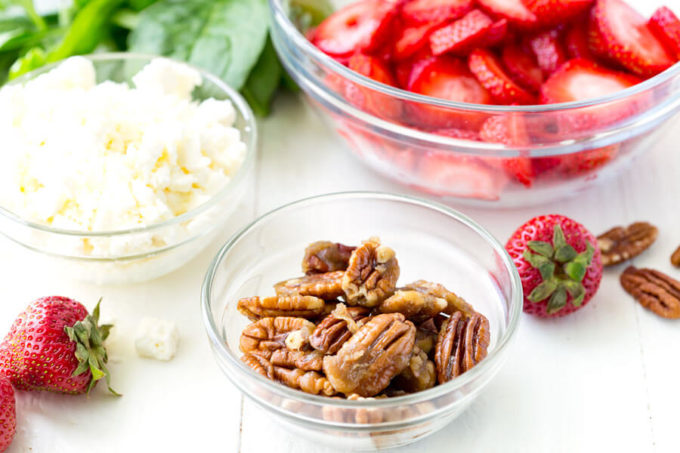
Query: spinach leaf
<point x="224" y="37"/>
<point x="263" y="81"/>
<point x="309" y="13"/>
<point x="33" y="59"/>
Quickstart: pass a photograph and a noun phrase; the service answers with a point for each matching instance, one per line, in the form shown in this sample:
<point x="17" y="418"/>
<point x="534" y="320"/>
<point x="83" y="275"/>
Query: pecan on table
<point x="269" y="334"/>
<point x="654" y="290"/>
<point x="288" y="305"/>
<point x="325" y="256"/>
<point x="620" y="244"/>
<point x="415" y="305"/>
<point x="371" y="275"/>
<point x="418" y="375"/>
<point x="336" y="328"/>
<point x="326" y="286"/>
<point x="454" y="302"/>
<point x="675" y="258"/>
<point x="377" y="352"/>
<point x="462" y="344"/>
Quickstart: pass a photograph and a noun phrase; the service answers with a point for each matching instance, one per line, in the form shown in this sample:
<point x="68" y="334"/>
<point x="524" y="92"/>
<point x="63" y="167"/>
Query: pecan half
<point x="654" y="290"/>
<point x="453" y="302"/>
<point x="290" y="305"/>
<point x="269" y="334"/>
<point x="332" y="332"/>
<point x="304" y="360"/>
<point x="326" y="286"/>
<point x="307" y="381"/>
<point x="371" y="275"/>
<point x="415" y="305"/>
<point x="325" y="256"/>
<point x="369" y="360"/>
<point x="620" y="244"/>
<point x="418" y="375"/>
<point x="426" y="336"/>
<point x="259" y="364"/>
<point x="462" y="343"/>
<point x="675" y="258"/>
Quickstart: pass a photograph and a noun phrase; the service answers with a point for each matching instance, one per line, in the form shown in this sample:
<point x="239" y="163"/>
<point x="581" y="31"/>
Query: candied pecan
<point x="325" y="256"/>
<point x="418" y="375"/>
<point x="259" y="364"/>
<point x="415" y="305"/>
<point x="326" y="286"/>
<point x="332" y="332"/>
<point x="454" y="303"/>
<point x="675" y="258"/>
<point x="290" y="305"/>
<point x="307" y="381"/>
<point x="620" y="244"/>
<point x="426" y="335"/>
<point x="371" y="275"/>
<point x="269" y="334"/>
<point x="654" y="290"/>
<point x="376" y="353"/>
<point x="304" y="360"/>
<point x="462" y="343"/>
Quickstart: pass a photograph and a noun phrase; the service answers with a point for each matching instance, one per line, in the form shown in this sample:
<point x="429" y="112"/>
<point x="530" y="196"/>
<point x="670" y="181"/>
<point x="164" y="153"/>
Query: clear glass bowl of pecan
<point x="431" y="241"/>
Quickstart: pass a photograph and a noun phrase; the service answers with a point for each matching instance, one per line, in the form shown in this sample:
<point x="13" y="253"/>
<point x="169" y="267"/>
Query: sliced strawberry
<point x="555" y="12"/>
<point x="576" y="42"/>
<point x="522" y="67"/>
<point x="411" y="40"/>
<point x="403" y="69"/>
<point x="458" y="133"/>
<point x="490" y="73"/>
<point x="510" y="130"/>
<point x="589" y="160"/>
<point x="549" y="51"/>
<point x="666" y="26"/>
<point x="360" y="27"/>
<point x="447" y="78"/>
<point x="512" y="10"/>
<point x="367" y="99"/>
<point x="424" y="11"/>
<point x="462" y="34"/>
<point x="625" y="37"/>
<point x="496" y="34"/>
<point x="582" y="79"/>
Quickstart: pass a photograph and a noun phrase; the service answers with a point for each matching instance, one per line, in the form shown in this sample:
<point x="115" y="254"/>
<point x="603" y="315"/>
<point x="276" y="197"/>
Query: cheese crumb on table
<point x="156" y="339"/>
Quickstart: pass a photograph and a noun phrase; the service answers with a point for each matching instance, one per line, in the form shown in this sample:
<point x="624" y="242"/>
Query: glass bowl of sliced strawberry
<point x="501" y="102"/>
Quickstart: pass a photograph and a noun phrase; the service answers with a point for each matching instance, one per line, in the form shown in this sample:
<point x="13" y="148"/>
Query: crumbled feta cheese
<point x="156" y="339"/>
<point x="99" y="157"/>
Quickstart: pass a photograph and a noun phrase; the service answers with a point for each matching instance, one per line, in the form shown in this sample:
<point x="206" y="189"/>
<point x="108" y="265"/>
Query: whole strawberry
<point x="55" y="345"/>
<point x="8" y="420"/>
<point x="558" y="262"/>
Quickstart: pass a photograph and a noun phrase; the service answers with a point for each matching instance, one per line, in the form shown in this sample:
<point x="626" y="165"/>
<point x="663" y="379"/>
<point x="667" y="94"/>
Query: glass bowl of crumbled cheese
<point x="120" y="168"/>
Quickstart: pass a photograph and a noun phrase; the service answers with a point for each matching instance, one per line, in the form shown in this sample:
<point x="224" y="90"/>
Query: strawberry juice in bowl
<point x="588" y="118"/>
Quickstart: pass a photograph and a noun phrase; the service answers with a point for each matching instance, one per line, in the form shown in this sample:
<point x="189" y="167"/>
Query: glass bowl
<point x="433" y="145"/>
<point x="147" y="252"/>
<point x="431" y="241"/>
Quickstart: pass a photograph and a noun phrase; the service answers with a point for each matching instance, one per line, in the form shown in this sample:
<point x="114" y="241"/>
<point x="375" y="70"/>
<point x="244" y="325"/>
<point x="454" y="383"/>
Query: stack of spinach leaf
<point x="229" y="38"/>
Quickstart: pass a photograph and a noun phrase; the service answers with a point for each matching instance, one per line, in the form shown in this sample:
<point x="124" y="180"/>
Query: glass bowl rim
<point x="514" y="311"/>
<point x="240" y="105"/>
<point x="302" y="42"/>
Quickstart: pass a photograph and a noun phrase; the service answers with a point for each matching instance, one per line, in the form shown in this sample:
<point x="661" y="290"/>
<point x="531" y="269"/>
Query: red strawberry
<point x="581" y="79"/>
<point x="555" y="12"/>
<point x="522" y="67"/>
<point x="461" y="35"/>
<point x="447" y="78"/>
<point x="559" y="265"/>
<point x="458" y="133"/>
<point x="510" y="130"/>
<point x="422" y="11"/>
<point x="576" y="41"/>
<point x="549" y="51"/>
<point x="8" y="418"/>
<point x="367" y="99"/>
<point x="589" y="160"/>
<point x="623" y="34"/>
<point x="490" y="73"/>
<point x="496" y="33"/>
<point x="666" y="26"/>
<point x="360" y="27"/>
<point x="55" y="345"/>
<point x="411" y="40"/>
<point x="513" y="10"/>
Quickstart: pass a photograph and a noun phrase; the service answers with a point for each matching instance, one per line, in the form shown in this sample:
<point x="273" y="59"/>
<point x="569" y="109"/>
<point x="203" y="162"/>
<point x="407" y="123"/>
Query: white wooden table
<point x="604" y="379"/>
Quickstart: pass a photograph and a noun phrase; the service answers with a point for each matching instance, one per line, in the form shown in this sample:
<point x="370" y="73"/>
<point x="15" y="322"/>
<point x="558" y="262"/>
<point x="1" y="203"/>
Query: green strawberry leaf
<point x="558" y="238"/>
<point x="543" y="291"/>
<point x="557" y="301"/>
<point x="541" y="247"/>
<point x="565" y="253"/>
<point x="576" y="270"/>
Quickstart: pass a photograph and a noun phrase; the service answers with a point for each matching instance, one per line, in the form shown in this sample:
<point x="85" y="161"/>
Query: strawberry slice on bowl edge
<point x="510" y="129"/>
<point x="369" y="100"/>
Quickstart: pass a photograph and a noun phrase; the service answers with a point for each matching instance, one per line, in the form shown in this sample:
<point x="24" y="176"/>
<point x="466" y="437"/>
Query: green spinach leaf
<point x="263" y="81"/>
